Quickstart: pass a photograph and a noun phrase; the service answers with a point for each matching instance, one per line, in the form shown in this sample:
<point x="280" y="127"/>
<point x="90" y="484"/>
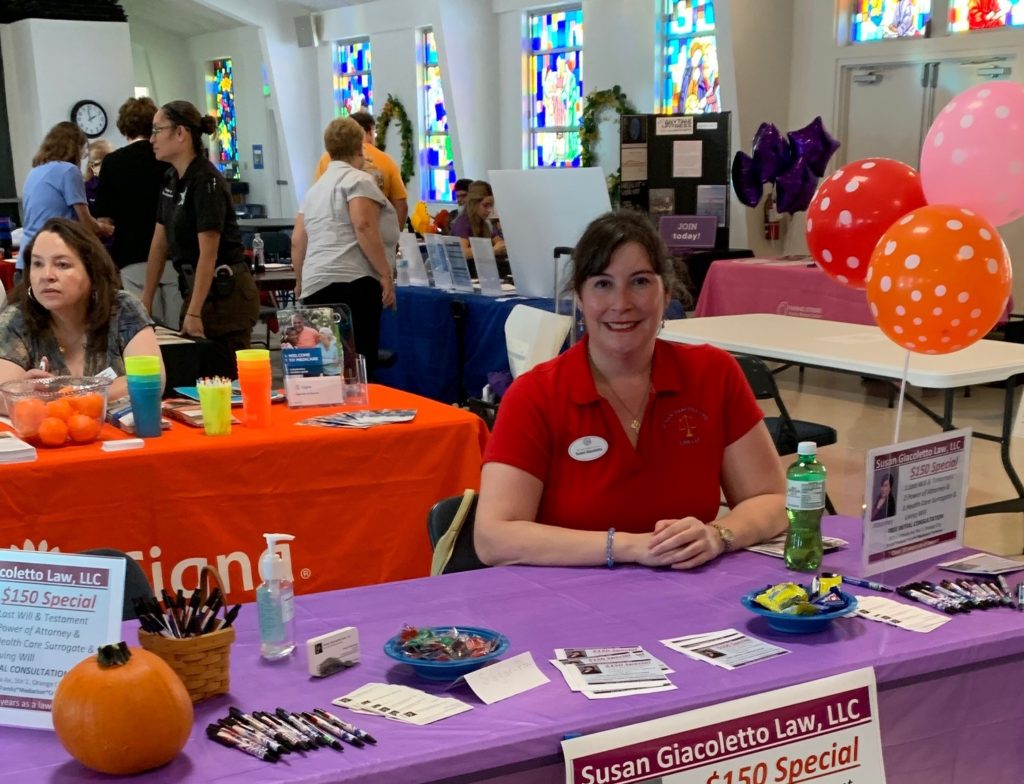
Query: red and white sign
<point x="824" y="731"/>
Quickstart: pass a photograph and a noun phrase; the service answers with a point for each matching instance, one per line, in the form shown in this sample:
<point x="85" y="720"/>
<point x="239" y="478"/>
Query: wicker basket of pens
<point x="193" y="640"/>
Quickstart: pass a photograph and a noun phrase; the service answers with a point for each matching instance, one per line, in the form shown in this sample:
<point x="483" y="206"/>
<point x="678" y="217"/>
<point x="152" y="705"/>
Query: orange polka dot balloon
<point x="939" y="279"/>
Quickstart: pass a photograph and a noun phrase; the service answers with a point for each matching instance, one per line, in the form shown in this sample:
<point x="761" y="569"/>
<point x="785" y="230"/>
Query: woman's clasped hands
<point x="680" y="544"/>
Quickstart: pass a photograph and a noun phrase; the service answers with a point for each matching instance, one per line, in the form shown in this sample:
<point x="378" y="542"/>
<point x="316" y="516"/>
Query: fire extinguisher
<point x="772" y="219"/>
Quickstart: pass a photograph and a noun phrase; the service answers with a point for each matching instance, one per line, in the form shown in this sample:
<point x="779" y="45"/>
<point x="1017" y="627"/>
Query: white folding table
<point x="865" y="350"/>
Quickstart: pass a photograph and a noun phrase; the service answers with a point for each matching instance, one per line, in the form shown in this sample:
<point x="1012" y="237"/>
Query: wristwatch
<point x="727" y="536"/>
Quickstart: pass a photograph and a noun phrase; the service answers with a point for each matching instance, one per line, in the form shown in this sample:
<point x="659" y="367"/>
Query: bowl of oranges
<point x="57" y="411"/>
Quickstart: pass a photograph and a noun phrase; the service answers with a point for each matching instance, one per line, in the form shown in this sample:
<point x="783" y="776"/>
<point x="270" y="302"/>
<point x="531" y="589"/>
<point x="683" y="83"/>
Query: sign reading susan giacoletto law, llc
<point x="55" y="610"/>
<point x="825" y="731"/>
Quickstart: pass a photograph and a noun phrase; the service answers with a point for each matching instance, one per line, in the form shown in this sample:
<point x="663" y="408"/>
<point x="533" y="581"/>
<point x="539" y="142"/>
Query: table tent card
<point x="486" y="266"/>
<point x="461" y="279"/>
<point x="312" y="356"/>
<point x="412" y="260"/>
<point x="438" y="259"/>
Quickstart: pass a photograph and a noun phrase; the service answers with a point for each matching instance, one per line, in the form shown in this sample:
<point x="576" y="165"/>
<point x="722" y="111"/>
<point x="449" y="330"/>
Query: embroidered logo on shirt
<point x="688" y="423"/>
<point x="181" y="197"/>
<point x="588" y="448"/>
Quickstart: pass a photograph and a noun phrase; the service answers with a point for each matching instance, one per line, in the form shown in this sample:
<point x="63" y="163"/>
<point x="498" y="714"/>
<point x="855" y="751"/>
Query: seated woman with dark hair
<point x="69" y="310"/>
<point x="619" y="449"/>
<point x="472" y="219"/>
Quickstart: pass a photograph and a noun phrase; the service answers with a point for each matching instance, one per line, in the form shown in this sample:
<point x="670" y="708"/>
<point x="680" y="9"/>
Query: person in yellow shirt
<point x="380" y="165"/>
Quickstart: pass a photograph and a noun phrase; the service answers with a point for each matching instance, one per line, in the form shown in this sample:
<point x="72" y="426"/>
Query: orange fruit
<point x="83" y="429"/>
<point x="90" y="404"/>
<point x="60" y="409"/>
<point x="53" y="431"/>
<point x="27" y="414"/>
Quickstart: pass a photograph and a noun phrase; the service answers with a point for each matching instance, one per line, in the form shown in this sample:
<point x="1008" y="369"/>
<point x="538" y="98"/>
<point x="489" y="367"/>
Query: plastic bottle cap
<point x="806" y="448"/>
<point x="142" y="366"/>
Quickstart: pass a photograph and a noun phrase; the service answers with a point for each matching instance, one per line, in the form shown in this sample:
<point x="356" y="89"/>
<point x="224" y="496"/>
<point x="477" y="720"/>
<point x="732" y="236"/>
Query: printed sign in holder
<point x="55" y="610"/>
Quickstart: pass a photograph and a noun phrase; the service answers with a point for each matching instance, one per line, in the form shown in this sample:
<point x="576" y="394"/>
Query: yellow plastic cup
<point x="142" y="366"/>
<point x="215" y="401"/>
<point x="253" y="355"/>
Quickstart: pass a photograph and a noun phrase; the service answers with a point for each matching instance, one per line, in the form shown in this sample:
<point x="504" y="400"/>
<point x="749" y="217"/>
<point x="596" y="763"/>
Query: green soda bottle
<point x="805" y="503"/>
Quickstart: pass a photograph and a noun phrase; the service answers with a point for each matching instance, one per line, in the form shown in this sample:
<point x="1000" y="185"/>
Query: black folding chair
<point x="785" y="431"/>
<point x="464" y="557"/>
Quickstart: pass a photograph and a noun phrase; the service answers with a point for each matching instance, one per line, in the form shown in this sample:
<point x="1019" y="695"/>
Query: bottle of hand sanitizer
<point x="274" y="602"/>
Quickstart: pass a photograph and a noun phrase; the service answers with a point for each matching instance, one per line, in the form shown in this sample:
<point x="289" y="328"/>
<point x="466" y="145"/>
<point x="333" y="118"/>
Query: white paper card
<point x="686" y="158"/>
<point x="410" y="248"/>
<point x="633" y="159"/>
<point x="61" y="608"/>
<point x="486" y="266"/>
<point x="506" y="678"/>
<point x="982" y="563"/>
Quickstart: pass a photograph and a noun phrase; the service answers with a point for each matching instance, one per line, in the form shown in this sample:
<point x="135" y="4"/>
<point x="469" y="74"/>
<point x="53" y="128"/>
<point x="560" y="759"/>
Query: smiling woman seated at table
<point x="616" y="451"/>
<point x="70" y="311"/>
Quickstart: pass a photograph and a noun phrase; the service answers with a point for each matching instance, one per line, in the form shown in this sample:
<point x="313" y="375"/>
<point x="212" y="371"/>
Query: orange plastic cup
<point x="254" y="380"/>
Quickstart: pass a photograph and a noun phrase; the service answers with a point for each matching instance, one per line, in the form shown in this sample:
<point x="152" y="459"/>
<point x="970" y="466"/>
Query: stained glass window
<point x="220" y="102"/>
<point x="874" y="20"/>
<point x="967" y="15"/>
<point x="556" y="87"/>
<point x="353" y="84"/>
<point x="690" y="83"/>
<point x="436" y="164"/>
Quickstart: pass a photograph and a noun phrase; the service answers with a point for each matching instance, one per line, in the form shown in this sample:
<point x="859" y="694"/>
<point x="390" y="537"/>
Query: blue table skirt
<point x="422" y="330"/>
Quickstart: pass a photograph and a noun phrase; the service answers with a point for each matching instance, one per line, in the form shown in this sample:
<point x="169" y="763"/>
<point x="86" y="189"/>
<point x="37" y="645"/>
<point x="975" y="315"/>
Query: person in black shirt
<point x="196" y="228"/>
<point x="129" y="186"/>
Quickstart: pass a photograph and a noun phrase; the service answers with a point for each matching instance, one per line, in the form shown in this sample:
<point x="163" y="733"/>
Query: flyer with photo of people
<point x="313" y="355"/>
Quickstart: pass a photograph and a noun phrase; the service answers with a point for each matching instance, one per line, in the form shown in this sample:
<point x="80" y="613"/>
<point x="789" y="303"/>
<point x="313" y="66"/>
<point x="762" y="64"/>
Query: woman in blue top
<point x="54" y="187"/>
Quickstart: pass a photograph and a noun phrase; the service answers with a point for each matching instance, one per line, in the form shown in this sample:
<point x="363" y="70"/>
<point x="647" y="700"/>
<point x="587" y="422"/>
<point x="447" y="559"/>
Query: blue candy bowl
<point x="433" y="670"/>
<point x="798" y="624"/>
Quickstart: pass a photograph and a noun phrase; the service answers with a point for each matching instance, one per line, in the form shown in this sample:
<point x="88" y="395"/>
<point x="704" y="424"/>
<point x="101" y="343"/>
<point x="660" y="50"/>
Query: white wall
<point x="157" y="59"/>
<point x="43" y="61"/>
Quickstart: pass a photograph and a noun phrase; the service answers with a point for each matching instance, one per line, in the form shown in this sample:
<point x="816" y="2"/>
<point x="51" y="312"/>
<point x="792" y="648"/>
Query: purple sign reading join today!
<point x="688" y="231"/>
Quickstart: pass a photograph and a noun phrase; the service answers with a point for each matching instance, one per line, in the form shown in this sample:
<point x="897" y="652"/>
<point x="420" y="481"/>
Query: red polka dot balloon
<point x="939" y="279"/>
<point x="853" y="208"/>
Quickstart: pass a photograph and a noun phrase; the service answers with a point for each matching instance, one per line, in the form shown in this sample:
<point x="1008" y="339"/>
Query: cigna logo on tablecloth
<point x="229" y="565"/>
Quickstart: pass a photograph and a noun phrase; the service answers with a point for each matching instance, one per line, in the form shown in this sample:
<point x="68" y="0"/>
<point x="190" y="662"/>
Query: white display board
<point x="542" y="209"/>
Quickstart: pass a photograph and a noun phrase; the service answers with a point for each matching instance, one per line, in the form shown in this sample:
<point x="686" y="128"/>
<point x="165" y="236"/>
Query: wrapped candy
<point x="437" y="645"/>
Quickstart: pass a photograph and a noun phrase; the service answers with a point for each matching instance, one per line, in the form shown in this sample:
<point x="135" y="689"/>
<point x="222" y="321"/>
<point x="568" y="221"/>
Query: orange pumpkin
<point x="122" y="711"/>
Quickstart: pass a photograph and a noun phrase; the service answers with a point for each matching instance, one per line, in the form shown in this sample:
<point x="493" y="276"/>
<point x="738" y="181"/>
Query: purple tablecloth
<point x="733" y="288"/>
<point x="949" y="700"/>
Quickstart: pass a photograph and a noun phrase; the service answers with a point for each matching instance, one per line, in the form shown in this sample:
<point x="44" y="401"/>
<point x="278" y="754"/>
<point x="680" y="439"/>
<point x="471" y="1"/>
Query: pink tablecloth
<point x="785" y="287"/>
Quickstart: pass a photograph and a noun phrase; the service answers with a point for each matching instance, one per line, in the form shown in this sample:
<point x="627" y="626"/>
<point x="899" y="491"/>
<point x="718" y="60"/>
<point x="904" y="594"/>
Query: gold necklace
<point x="635" y="421"/>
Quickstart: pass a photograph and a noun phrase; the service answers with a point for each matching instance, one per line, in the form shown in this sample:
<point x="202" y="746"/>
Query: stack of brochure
<point x="727" y="648"/>
<point x="363" y="419"/>
<point x="14" y="450"/>
<point x="600" y="673"/>
<point x="401" y="703"/>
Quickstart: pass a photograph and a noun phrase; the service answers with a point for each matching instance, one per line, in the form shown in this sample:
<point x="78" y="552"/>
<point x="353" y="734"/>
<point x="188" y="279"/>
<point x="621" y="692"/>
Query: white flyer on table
<point x="506" y="678"/>
<point x="825" y="730"/>
<point x="916" y="495"/>
<point x="410" y="248"/>
<point x="453" y="249"/>
<point x="55" y="610"/>
<point x="486" y="266"/>
<point x="438" y="259"/>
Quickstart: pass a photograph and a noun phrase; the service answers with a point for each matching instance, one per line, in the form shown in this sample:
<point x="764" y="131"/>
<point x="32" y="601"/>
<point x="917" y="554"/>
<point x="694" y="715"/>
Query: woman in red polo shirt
<point x="617" y="450"/>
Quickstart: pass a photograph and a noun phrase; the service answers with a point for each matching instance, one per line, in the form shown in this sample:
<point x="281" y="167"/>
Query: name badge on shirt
<point x="588" y="448"/>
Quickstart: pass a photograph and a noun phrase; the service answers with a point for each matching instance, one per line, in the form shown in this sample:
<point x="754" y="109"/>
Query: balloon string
<point x="899" y="406"/>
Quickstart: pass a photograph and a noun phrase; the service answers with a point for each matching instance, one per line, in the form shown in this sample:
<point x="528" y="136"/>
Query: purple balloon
<point x="814" y="144"/>
<point x="746" y="180"/>
<point x="771" y="152"/>
<point x="795" y="188"/>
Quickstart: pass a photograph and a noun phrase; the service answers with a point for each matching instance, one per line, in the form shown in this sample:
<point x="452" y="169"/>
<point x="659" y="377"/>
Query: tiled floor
<point x="858" y="409"/>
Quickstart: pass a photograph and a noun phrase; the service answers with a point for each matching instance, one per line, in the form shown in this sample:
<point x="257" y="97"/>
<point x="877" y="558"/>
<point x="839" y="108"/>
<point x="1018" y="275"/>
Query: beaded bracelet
<point x="609" y="559"/>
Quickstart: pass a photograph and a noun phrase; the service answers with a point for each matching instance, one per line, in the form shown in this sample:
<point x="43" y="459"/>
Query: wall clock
<point x="90" y="117"/>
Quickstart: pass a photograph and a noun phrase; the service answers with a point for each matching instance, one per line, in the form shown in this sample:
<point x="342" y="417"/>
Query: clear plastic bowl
<point x="56" y="411"/>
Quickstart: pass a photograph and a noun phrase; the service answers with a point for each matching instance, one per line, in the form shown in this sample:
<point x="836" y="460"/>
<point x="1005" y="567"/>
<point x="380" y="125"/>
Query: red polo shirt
<point x="554" y="424"/>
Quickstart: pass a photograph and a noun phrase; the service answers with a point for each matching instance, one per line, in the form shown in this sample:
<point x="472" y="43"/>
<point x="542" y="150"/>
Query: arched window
<point x="220" y="102"/>
<point x="690" y="60"/>
<point x="353" y="81"/>
<point x="555" y="89"/>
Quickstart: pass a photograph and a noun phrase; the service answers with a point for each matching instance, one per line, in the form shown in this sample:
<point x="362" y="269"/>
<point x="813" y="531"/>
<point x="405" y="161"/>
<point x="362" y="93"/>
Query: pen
<point x="1020" y="596"/>
<point x="226" y="738"/>
<point x="327" y="726"/>
<point x="363" y="736"/>
<point x="862" y="583"/>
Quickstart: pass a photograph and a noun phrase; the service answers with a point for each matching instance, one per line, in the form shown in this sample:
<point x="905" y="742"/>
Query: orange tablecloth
<point x="356" y="500"/>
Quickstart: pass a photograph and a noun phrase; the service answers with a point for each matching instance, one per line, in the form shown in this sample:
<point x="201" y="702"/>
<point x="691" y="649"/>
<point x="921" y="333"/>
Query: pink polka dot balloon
<point x="974" y="152"/>
<point x="939" y="279"/>
<point x="853" y="208"/>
